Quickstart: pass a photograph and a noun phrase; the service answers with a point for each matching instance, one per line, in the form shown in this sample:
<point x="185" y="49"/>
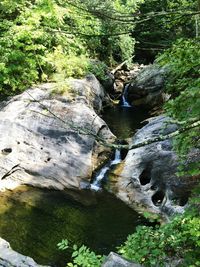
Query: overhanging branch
<point x="167" y="136"/>
<point x="87" y="131"/>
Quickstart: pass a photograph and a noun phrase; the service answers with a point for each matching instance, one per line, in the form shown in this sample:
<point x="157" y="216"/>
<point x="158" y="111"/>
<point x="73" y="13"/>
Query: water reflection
<point x="35" y="220"/>
<point x="124" y="121"/>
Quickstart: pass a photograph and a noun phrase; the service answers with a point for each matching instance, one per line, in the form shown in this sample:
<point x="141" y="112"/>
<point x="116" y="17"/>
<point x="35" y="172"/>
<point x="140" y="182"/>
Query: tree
<point x="45" y="37"/>
<point x="169" y="21"/>
<point x="183" y="84"/>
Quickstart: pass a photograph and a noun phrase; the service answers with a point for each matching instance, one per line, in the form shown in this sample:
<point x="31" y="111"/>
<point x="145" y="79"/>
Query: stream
<point x="124" y="121"/>
<point x="35" y="220"/>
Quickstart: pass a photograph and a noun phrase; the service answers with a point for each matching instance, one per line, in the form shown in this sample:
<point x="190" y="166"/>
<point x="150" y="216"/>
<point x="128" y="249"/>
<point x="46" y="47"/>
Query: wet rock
<point x="124" y="75"/>
<point x="108" y="82"/>
<point x="148" y="175"/>
<point x="53" y="151"/>
<point x="118" y="86"/>
<point x="146" y="89"/>
<point x="10" y="258"/>
<point x="114" y="260"/>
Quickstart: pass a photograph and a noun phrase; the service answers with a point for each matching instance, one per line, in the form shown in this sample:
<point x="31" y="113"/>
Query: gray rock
<point x="147" y="88"/>
<point x="114" y="260"/>
<point x="88" y="91"/>
<point x="10" y="258"/>
<point x="108" y="82"/>
<point x="148" y="177"/>
<point x="39" y="149"/>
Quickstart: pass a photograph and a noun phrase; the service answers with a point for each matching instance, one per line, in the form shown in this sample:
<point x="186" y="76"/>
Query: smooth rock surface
<point x="147" y="88"/>
<point x="147" y="177"/>
<point x="10" y="258"/>
<point x="42" y="149"/>
<point x="114" y="260"/>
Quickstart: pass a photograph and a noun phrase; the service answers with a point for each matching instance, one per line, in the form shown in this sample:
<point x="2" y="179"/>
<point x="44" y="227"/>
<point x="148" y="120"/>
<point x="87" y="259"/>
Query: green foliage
<point x="159" y="32"/>
<point x="52" y="40"/>
<point x="179" y="239"/>
<point x="127" y="47"/>
<point x="99" y="69"/>
<point x="183" y="84"/>
<point x="23" y="47"/>
<point x="151" y="217"/>
<point x="64" y="244"/>
<point x="82" y="256"/>
<point x="63" y="66"/>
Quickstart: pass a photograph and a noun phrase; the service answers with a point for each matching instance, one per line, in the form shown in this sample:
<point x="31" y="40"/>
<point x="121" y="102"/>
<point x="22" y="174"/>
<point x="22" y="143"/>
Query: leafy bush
<point x="63" y="66"/>
<point x="183" y="83"/>
<point x="127" y="47"/>
<point x="179" y="239"/>
<point x="82" y="256"/>
<point x="47" y="39"/>
<point x="98" y="68"/>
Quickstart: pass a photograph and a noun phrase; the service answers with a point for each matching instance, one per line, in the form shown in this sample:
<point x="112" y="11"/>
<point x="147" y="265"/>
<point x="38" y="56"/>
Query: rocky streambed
<point x="55" y="141"/>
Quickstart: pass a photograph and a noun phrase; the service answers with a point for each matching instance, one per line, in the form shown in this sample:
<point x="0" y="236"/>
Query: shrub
<point x="179" y="239"/>
<point x="82" y="256"/>
<point x="183" y="84"/>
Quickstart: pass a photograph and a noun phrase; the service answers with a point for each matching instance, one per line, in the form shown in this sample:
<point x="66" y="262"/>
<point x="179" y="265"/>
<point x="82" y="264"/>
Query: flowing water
<point x="125" y="102"/>
<point x="101" y="175"/>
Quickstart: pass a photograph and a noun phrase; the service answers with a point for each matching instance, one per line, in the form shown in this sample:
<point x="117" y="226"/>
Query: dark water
<point x="124" y="121"/>
<point x="35" y="220"/>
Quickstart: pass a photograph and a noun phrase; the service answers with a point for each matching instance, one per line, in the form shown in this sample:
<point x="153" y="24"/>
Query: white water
<point x="124" y="97"/>
<point x="117" y="158"/>
<point x="96" y="185"/>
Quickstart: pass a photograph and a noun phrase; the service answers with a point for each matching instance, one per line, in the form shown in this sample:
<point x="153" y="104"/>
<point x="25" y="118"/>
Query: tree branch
<point x="86" y="131"/>
<point x="121" y="65"/>
<point x="167" y="136"/>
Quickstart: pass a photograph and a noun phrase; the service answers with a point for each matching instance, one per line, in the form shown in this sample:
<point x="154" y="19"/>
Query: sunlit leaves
<point x="183" y="84"/>
<point x="33" y="33"/>
<point x="81" y="256"/>
<point x="178" y="239"/>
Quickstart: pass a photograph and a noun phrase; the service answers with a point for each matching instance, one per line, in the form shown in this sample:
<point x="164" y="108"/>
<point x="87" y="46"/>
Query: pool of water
<point x="35" y="220"/>
<point x="124" y="121"/>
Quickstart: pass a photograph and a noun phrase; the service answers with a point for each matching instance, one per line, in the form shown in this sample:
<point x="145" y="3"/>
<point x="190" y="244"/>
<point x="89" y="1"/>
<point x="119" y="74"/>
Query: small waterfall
<point x="124" y="97"/>
<point x="117" y="158"/>
<point x="96" y="185"/>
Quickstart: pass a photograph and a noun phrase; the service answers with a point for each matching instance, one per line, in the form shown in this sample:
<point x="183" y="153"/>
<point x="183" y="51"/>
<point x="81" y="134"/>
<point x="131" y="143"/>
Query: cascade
<point x="124" y="97"/>
<point x="117" y="158"/>
<point x="96" y="184"/>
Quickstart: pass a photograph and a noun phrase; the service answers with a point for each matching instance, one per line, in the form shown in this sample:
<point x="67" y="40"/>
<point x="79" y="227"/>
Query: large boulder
<point x="147" y="88"/>
<point x="10" y="258"/>
<point x="49" y="140"/>
<point x="147" y="177"/>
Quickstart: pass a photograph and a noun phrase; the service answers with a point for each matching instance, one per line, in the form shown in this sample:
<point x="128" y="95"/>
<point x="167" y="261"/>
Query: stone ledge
<point x="11" y="258"/>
